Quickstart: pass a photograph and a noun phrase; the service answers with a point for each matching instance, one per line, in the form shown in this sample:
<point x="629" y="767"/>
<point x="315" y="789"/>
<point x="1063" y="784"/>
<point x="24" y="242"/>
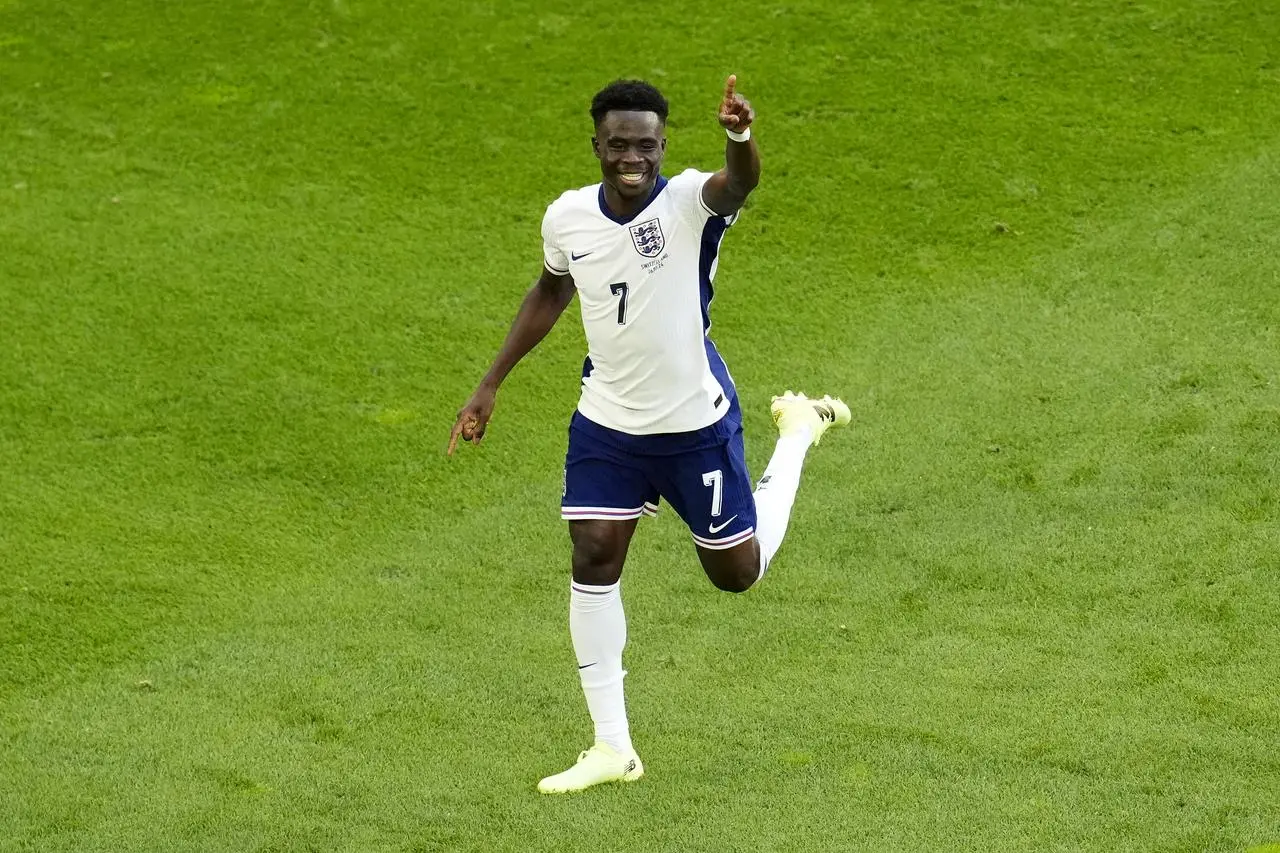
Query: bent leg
<point x="744" y="529"/>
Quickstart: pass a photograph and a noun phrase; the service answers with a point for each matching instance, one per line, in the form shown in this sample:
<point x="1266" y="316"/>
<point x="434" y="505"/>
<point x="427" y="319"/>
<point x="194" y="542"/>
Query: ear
<point x="664" y="144"/>
<point x="595" y="147"/>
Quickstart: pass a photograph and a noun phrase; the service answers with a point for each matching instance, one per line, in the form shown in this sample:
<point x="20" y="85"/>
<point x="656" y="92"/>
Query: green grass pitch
<point x="254" y="255"/>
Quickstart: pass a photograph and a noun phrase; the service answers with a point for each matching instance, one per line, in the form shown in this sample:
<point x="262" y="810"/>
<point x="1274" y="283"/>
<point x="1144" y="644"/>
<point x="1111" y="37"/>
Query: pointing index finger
<point x="728" y="86"/>
<point x="458" y="427"/>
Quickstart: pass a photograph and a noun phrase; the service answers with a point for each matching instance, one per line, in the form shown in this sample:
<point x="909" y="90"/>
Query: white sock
<point x="599" y="630"/>
<point x="776" y="493"/>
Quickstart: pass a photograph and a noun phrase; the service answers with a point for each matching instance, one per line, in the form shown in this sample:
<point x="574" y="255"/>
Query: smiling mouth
<point x="632" y="179"/>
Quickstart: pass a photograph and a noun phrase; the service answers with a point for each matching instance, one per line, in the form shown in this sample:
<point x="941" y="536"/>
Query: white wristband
<point x="739" y="137"/>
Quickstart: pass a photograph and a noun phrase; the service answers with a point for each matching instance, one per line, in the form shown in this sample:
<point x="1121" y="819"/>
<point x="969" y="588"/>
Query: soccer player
<point x="658" y="416"/>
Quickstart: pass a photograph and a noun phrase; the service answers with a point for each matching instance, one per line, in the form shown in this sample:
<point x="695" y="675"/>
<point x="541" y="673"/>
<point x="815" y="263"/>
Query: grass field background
<point x="253" y="256"/>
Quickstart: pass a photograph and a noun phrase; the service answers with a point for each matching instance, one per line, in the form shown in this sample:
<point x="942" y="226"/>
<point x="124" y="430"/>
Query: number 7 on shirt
<point x="620" y="289"/>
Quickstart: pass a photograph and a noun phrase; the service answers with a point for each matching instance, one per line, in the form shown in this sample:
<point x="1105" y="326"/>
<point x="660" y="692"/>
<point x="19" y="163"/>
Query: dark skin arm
<point x="726" y="191"/>
<point x="542" y="307"/>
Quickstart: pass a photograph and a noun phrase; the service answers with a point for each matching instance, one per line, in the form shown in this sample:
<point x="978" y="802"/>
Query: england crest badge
<point x="647" y="237"/>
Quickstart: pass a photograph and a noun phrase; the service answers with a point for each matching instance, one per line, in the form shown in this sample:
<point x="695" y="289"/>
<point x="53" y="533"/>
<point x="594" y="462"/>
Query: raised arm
<point x="542" y="307"/>
<point x="727" y="190"/>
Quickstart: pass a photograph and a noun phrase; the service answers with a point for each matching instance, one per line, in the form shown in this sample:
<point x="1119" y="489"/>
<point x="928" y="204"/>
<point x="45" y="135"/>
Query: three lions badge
<point x="647" y="237"/>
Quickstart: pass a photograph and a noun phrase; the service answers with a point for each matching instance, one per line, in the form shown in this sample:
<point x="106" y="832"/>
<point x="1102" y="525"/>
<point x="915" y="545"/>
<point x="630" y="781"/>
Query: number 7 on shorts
<point x="715" y="479"/>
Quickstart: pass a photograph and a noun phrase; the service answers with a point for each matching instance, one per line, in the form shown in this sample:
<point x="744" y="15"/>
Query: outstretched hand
<point x="735" y="111"/>
<point x="473" y="418"/>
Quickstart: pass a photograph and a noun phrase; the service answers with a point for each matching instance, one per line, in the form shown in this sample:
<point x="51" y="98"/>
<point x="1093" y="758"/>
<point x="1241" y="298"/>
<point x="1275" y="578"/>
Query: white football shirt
<point x="644" y="283"/>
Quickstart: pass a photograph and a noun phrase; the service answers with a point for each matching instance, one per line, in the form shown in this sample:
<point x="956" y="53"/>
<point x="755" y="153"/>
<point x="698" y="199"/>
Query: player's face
<point x="630" y="146"/>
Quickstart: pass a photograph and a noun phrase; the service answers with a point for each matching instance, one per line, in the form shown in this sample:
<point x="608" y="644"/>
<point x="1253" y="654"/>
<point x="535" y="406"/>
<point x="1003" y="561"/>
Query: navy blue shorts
<point x="613" y="475"/>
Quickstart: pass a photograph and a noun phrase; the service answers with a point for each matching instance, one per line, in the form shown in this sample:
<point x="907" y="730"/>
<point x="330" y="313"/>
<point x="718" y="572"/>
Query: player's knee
<point x="739" y="580"/>
<point x="595" y="557"/>
<point x="736" y="574"/>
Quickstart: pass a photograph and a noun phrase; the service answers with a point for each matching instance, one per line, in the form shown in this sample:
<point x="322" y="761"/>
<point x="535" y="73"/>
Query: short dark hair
<point x="628" y="95"/>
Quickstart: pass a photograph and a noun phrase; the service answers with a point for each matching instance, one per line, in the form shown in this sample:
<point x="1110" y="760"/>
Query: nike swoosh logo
<point x="575" y="256"/>
<point x="585" y="665"/>
<point x="717" y="528"/>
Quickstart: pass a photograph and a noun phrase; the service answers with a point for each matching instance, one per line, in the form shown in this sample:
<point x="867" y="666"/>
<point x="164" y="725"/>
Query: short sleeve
<point x="686" y="188"/>
<point x="553" y="257"/>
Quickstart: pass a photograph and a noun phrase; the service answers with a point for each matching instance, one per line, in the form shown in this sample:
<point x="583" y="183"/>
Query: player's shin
<point x="776" y="493"/>
<point x="598" y="627"/>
